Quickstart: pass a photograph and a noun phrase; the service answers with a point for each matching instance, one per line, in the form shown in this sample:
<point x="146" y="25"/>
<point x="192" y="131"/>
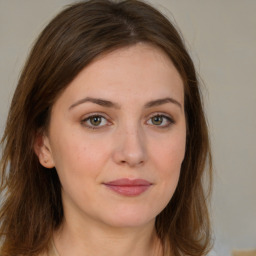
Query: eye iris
<point x="157" y="120"/>
<point x="95" y="120"/>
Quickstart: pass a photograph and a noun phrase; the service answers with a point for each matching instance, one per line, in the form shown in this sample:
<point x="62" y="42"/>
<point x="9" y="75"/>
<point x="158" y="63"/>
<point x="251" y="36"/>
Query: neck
<point x="95" y="239"/>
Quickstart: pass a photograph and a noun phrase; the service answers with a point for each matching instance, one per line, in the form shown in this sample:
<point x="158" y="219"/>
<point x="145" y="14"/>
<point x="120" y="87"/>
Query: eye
<point x="95" y="121"/>
<point x="162" y="121"/>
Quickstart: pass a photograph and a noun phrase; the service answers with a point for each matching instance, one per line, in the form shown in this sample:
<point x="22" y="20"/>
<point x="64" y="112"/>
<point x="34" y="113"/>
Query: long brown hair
<point x="32" y="209"/>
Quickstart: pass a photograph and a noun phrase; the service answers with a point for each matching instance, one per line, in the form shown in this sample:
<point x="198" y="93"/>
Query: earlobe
<point x="43" y="151"/>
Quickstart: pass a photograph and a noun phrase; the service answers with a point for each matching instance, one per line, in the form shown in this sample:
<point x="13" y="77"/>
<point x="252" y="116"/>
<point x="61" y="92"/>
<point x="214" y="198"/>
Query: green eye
<point x="160" y="120"/>
<point x="95" y="120"/>
<point x="157" y="120"/>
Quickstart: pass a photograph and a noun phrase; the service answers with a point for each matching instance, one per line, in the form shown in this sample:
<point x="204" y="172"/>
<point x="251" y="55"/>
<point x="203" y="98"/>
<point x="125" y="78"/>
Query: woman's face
<point x="117" y="138"/>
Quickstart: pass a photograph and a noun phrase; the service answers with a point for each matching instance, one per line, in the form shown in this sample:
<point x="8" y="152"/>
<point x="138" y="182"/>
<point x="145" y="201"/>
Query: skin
<point x="127" y="142"/>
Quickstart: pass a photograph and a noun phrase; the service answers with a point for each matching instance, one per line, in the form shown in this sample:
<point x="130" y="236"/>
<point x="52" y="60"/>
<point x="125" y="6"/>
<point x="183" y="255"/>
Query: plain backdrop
<point x="221" y="37"/>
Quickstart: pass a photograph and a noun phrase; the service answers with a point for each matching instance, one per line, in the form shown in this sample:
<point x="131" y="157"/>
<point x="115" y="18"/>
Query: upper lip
<point x="128" y="182"/>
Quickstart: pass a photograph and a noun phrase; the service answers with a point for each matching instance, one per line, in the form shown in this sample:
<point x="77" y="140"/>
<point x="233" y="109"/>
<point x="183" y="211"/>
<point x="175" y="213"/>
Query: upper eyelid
<point x="160" y="114"/>
<point x="101" y="114"/>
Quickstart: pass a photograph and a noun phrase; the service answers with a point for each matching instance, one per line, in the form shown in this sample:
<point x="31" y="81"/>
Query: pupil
<point x="96" y="120"/>
<point x="157" y="120"/>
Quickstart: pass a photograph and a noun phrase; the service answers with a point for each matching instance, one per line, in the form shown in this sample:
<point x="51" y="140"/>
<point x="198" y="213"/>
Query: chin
<point x="129" y="219"/>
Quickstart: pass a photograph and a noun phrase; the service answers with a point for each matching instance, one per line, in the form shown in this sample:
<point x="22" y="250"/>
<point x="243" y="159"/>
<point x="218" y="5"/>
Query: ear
<point x="43" y="151"/>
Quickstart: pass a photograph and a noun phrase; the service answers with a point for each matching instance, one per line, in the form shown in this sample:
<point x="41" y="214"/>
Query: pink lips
<point x="129" y="187"/>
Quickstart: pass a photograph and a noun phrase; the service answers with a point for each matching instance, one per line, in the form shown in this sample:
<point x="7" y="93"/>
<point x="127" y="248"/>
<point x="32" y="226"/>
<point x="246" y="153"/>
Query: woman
<point x="106" y="141"/>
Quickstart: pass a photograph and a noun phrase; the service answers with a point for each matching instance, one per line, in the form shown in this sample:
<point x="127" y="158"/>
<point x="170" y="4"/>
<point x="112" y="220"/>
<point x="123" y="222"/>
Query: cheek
<point x="168" y="166"/>
<point x="79" y="157"/>
<point x="170" y="152"/>
<point x="168" y="158"/>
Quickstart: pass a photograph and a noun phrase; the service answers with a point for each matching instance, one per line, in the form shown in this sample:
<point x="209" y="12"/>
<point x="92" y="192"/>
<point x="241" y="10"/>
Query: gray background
<point x="221" y="37"/>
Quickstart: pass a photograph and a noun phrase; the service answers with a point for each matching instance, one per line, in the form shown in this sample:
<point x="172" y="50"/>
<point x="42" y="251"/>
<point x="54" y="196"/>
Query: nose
<point x="130" y="148"/>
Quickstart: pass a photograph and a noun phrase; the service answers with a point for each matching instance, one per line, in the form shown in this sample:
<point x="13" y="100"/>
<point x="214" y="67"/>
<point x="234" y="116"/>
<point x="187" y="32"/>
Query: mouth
<point x="127" y="187"/>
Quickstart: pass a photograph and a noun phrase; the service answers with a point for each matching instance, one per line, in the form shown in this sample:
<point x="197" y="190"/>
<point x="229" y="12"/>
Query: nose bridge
<point x="130" y="148"/>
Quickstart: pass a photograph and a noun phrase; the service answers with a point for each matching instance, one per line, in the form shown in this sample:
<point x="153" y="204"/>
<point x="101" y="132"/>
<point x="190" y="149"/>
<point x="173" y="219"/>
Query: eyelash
<point x="168" y="119"/>
<point x="88" y="118"/>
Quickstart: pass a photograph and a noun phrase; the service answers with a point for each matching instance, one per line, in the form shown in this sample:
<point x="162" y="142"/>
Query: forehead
<point x="137" y="72"/>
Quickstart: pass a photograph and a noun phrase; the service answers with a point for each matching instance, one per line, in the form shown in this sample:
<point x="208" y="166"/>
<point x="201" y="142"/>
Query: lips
<point x="128" y="187"/>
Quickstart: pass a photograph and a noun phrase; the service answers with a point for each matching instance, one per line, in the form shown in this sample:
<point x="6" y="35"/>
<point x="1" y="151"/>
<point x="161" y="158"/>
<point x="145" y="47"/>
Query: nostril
<point x="130" y="150"/>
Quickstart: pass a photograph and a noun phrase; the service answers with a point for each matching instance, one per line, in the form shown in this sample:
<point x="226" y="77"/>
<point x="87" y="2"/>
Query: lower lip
<point x="129" y="190"/>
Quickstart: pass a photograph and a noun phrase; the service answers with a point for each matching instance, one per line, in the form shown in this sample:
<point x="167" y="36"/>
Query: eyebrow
<point x="159" y="102"/>
<point x="110" y="104"/>
<point x="101" y="102"/>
